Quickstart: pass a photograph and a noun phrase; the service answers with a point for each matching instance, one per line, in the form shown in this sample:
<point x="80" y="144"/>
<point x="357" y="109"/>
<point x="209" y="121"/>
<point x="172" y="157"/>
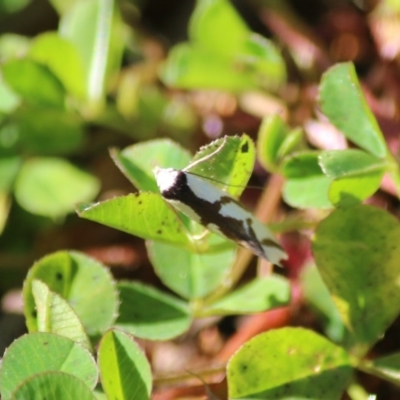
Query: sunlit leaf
<point x="194" y="274"/>
<point x="41" y="352"/>
<point x="124" y="369"/>
<point x="228" y="162"/>
<point x="271" y="135"/>
<point x="34" y="82"/>
<point x="9" y="100"/>
<point x="52" y="186"/>
<point x="138" y="161"/>
<point x="62" y="58"/>
<point x="357" y="251"/>
<point x="142" y="214"/>
<point x="95" y="29"/>
<point x="299" y="364"/>
<point x="232" y="58"/>
<point x="306" y="185"/>
<point x="318" y="297"/>
<point x="259" y="295"/>
<point x="343" y="102"/>
<point x="55" y="315"/>
<point x="57" y="385"/>
<point x="206" y="22"/>
<point x="163" y="316"/>
<point x="355" y="175"/>
<point x="85" y="283"/>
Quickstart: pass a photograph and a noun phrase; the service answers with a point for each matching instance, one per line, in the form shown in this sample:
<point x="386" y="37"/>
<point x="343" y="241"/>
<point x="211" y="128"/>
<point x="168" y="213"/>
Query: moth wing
<point x="229" y="218"/>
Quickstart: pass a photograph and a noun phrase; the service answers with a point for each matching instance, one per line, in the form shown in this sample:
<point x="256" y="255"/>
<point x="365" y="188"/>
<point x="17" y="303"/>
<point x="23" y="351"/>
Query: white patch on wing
<point x="202" y="189"/>
<point x="233" y="210"/>
<point x="165" y="177"/>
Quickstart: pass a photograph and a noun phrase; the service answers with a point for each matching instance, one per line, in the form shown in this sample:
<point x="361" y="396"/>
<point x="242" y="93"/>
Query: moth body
<point x="218" y="212"/>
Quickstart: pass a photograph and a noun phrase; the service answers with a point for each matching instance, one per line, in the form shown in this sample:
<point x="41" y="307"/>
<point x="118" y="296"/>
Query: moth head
<point x="166" y="178"/>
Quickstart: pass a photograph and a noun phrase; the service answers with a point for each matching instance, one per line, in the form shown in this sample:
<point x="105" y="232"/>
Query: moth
<point x="213" y="208"/>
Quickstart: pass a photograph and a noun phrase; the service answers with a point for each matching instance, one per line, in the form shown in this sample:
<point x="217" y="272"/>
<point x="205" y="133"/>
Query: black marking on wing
<point x="209" y="213"/>
<point x="245" y="147"/>
<point x="252" y="241"/>
<point x="254" y="244"/>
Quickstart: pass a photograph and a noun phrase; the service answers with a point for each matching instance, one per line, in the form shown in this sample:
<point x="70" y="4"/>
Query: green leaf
<point x="293" y="143"/>
<point x="9" y="167"/>
<point x="271" y="135"/>
<point x="55" y="315"/>
<point x="387" y="367"/>
<point x="95" y="29"/>
<point x="233" y="58"/>
<point x="206" y="22"/>
<point x="337" y="177"/>
<point x="228" y="162"/>
<point x="317" y="295"/>
<point x="259" y="295"/>
<point x="244" y="50"/>
<point x="362" y="244"/>
<point x="274" y="142"/>
<point x="12" y="6"/>
<point x="100" y="395"/>
<point x="52" y="186"/>
<point x="36" y="353"/>
<point x="349" y="191"/>
<point x="310" y="192"/>
<point x="124" y="369"/>
<point x="351" y="162"/>
<point x="257" y="65"/>
<point x="260" y="57"/>
<point x="356" y="175"/>
<point x="84" y="282"/>
<point x="193" y="275"/>
<point x="343" y="102"/>
<point x="137" y="162"/>
<point x="9" y="100"/>
<point x="49" y="131"/>
<point x="299" y="364"/>
<point x="301" y="165"/>
<point x="150" y="314"/>
<point x="62" y="58"/>
<point x="34" y="82"/>
<point x="191" y="68"/>
<point x="53" y="385"/>
<point x="306" y="186"/>
<point x="142" y="214"/>
<point x="207" y="63"/>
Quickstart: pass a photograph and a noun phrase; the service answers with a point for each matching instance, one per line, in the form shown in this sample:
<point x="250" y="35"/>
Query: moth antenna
<point x="207" y="178"/>
<point x="208" y="156"/>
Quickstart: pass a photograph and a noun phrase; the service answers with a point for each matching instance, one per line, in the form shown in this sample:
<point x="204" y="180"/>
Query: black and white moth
<point x="217" y="211"/>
